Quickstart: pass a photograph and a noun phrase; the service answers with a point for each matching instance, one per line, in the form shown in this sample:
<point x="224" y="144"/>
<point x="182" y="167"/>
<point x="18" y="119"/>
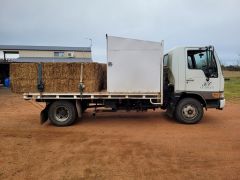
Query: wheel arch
<point x="76" y="103"/>
<point x="195" y="96"/>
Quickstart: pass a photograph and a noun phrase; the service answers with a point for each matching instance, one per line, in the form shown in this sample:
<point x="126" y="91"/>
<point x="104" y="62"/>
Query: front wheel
<point x="62" y="113"/>
<point x="189" y="111"/>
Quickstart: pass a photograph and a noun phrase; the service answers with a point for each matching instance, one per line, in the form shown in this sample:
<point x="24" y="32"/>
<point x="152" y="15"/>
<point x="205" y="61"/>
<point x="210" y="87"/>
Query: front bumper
<point x="216" y="103"/>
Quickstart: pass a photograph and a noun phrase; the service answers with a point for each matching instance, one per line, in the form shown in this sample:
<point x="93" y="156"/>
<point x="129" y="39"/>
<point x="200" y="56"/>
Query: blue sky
<point x="73" y="22"/>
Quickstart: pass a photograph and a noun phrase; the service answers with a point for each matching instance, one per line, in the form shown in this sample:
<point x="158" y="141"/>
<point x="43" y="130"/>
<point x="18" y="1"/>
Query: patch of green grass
<point x="232" y="89"/>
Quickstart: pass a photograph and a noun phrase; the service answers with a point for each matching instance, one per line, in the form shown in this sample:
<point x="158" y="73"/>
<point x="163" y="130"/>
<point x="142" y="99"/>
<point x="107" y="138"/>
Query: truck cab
<point x="194" y="80"/>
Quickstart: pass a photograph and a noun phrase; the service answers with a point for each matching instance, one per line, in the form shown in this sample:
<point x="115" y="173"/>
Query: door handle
<point x="188" y="80"/>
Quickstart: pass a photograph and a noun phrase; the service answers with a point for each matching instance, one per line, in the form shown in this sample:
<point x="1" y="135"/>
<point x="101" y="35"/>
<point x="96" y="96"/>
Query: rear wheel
<point x="189" y="111"/>
<point x="62" y="113"/>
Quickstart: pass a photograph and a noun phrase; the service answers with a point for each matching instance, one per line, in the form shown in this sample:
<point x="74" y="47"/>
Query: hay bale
<point x="23" y="85"/>
<point x="23" y="71"/>
<point x="104" y="76"/>
<point x="23" y="77"/>
<point x="58" y="77"/>
<point x="92" y="77"/>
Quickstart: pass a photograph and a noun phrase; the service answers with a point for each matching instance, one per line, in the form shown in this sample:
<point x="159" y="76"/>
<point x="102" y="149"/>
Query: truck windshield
<point x="204" y="60"/>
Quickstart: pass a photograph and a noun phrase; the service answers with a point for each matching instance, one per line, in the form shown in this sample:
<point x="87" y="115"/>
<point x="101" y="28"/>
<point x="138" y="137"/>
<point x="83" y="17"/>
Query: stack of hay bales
<point x="57" y="77"/>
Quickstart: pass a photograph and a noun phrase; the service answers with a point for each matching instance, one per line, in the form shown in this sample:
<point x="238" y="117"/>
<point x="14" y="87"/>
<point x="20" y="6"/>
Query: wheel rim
<point x="61" y="113"/>
<point x="189" y="111"/>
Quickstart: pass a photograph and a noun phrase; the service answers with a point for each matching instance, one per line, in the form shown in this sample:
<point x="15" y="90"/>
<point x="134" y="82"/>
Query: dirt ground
<point x="119" y="145"/>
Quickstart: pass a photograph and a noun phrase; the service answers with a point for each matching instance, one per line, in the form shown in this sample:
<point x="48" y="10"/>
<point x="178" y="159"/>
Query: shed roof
<point x="44" y="48"/>
<point x="37" y="59"/>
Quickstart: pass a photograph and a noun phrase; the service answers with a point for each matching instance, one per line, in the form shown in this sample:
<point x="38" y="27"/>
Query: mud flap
<point x="44" y="115"/>
<point x="170" y="110"/>
<point x="79" y="109"/>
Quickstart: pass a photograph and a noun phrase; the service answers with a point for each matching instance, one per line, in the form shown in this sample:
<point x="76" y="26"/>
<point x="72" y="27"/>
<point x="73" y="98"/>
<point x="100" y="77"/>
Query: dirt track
<point x="117" y="145"/>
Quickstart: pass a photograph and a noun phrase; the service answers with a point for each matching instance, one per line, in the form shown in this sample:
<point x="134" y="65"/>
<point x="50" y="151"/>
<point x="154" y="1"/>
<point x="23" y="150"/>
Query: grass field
<point x="229" y="74"/>
<point x="232" y="86"/>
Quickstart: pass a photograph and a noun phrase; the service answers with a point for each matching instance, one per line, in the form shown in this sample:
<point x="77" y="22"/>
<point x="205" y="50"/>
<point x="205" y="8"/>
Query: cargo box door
<point x="134" y="66"/>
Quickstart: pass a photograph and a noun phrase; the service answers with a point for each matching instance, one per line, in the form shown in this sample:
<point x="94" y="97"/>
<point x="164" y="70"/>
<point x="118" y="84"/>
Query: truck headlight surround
<point x="218" y="95"/>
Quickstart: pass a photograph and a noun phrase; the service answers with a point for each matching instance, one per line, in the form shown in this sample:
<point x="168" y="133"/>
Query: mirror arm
<point x="209" y="53"/>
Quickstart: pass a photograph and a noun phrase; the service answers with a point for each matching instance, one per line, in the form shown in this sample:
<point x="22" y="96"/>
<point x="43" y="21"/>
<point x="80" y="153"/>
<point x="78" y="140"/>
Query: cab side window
<point x="190" y="62"/>
<point x="203" y="60"/>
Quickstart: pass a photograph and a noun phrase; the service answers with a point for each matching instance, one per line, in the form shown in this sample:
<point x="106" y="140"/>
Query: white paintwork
<point x="185" y="79"/>
<point x="196" y="79"/>
<point x="153" y="98"/>
<point x="220" y="73"/>
<point x="136" y="65"/>
<point x="222" y="103"/>
<point x="177" y="68"/>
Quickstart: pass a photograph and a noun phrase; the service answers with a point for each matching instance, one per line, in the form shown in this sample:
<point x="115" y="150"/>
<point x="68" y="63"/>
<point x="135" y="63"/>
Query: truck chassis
<point x="62" y="109"/>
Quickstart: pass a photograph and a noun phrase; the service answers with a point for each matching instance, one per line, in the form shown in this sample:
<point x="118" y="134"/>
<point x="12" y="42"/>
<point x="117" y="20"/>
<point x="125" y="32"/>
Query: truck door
<point x="201" y="71"/>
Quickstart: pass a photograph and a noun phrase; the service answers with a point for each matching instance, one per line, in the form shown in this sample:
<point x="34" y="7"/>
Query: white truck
<point x="184" y="81"/>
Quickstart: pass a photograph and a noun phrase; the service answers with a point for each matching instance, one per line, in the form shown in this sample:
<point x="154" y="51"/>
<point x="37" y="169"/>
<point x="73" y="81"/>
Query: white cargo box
<point x="134" y="66"/>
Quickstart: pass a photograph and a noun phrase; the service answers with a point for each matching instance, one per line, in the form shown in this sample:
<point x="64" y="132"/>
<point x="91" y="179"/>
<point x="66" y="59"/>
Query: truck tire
<point x="189" y="111"/>
<point x="62" y="113"/>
